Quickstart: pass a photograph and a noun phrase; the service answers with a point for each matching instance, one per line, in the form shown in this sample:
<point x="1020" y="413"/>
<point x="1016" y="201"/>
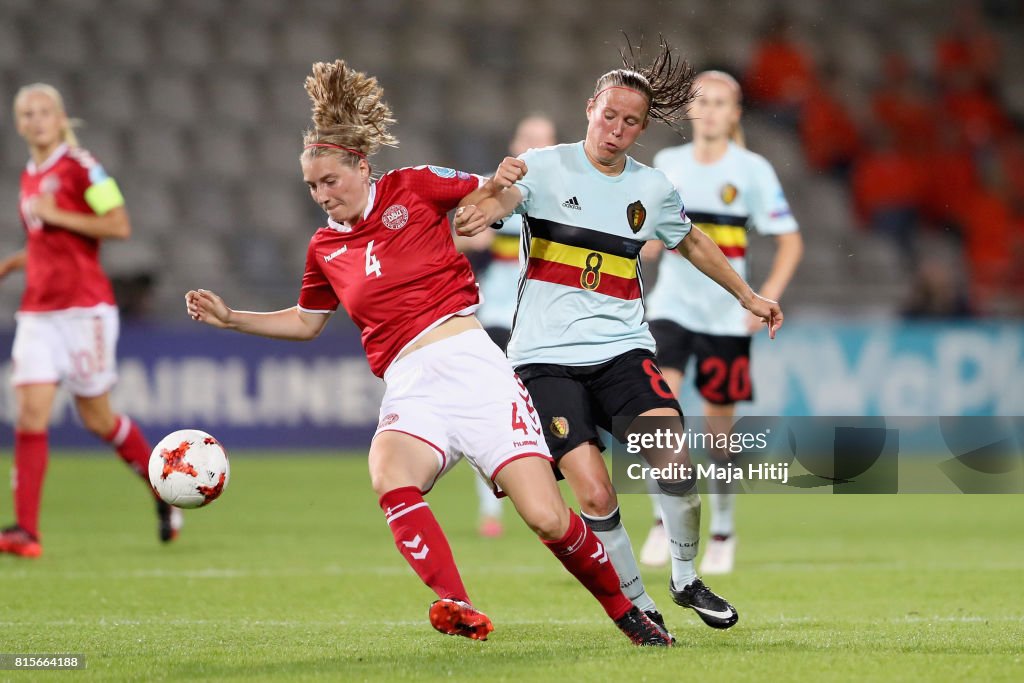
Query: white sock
<point x="490" y="506"/>
<point x="681" y="515"/>
<point x="612" y="534"/>
<point x="723" y="507"/>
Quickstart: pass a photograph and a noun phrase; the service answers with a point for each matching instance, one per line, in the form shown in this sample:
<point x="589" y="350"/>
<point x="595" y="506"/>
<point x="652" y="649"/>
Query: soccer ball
<point x="189" y="469"/>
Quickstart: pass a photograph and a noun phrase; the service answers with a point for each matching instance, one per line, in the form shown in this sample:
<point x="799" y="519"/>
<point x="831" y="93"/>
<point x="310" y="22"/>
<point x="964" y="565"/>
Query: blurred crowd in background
<point x="896" y="127"/>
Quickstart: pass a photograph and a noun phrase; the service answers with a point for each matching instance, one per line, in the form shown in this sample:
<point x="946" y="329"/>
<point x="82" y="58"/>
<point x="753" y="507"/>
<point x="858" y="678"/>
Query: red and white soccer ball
<point x="189" y="469"/>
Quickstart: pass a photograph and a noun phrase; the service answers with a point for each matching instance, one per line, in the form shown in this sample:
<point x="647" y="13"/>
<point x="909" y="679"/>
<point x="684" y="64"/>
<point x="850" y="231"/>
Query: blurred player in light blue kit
<point x="498" y="285"/>
<point x="726" y="189"/>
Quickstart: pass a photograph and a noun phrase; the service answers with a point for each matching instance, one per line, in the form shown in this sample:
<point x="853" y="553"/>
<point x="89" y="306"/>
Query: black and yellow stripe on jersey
<point x="586" y="259"/>
<point x="728" y="232"/>
<point x="505" y="248"/>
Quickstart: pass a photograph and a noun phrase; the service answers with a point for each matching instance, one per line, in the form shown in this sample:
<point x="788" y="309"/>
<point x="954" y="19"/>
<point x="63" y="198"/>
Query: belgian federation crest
<point x="729" y="193"/>
<point x="560" y="427"/>
<point x="636" y="214"/>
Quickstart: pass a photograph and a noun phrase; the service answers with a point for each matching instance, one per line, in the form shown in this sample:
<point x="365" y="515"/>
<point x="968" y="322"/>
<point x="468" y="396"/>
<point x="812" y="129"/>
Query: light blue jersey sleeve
<point x="672" y="224"/>
<point x="769" y="210"/>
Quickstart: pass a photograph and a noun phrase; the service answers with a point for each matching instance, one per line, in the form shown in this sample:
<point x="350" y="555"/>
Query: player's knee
<point x="389" y="479"/>
<point x="720" y="456"/>
<point x="549" y="522"/>
<point x="680" y="488"/>
<point x="598" y="499"/>
<point x="31" y="419"/>
<point x="98" y="424"/>
<point x="382" y="482"/>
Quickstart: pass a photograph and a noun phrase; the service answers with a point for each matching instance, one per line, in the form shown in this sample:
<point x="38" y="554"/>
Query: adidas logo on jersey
<point x="572" y="203"/>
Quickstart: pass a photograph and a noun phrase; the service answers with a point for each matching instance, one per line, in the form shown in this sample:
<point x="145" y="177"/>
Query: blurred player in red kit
<point x="388" y="258"/>
<point x="67" y="322"/>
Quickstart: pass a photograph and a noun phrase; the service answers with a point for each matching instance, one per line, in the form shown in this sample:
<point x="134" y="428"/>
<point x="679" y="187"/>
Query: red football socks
<point x="31" y="451"/>
<point x="422" y="543"/>
<point x="131" y="445"/>
<point x="585" y="558"/>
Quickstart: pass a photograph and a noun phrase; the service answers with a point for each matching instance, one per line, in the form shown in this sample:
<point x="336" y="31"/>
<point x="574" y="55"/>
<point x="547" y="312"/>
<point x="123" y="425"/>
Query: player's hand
<point x="753" y="323"/>
<point x="510" y="171"/>
<point x="44" y="207"/>
<point x="205" y="306"/>
<point x="767" y="312"/>
<point x="470" y="220"/>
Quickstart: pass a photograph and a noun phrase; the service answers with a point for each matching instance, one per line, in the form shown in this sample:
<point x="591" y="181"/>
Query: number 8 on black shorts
<point x="574" y="400"/>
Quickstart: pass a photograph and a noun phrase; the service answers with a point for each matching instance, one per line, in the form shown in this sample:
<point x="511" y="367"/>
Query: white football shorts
<point x="461" y="396"/>
<point x="76" y="347"/>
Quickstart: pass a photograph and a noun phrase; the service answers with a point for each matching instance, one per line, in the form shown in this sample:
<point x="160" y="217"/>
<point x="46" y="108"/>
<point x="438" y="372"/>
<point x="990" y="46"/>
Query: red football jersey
<point x="62" y="268"/>
<point x="396" y="272"/>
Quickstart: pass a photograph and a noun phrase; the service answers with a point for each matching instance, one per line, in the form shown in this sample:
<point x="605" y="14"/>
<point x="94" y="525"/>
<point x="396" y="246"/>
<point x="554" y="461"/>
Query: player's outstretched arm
<point x="290" y="323"/>
<point x="789" y="249"/>
<point x="510" y="171"/>
<point x="473" y="218"/>
<point x="703" y="253"/>
<point x="14" y="262"/>
<point x="479" y="242"/>
<point x="113" y="224"/>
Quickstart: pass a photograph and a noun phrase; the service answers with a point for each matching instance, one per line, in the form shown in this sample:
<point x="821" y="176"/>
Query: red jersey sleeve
<point x="441" y="188"/>
<point x="316" y="295"/>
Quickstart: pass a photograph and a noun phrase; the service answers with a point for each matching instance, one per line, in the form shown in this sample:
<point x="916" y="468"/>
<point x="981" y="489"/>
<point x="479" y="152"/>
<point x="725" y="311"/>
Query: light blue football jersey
<point x="500" y="280"/>
<point x="724" y="199"/>
<point x="581" y="294"/>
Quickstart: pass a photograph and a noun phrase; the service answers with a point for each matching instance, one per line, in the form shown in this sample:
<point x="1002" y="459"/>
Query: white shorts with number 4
<point x="460" y="396"/>
<point x="76" y="347"/>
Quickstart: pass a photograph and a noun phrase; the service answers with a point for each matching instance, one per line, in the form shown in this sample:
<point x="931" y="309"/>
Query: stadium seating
<point x="197" y="107"/>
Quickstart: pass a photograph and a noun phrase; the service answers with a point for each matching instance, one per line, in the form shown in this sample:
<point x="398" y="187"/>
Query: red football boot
<point x="17" y="541"/>
<point x="457" y="618"/>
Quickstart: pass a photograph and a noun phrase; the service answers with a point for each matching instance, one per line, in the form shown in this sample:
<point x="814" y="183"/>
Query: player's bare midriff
<point x="449" y="328"/>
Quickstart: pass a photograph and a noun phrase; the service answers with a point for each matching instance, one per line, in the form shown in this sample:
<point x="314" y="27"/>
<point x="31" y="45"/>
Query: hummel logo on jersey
<point x="334" y="254"/>
<point x="572" y="203"/>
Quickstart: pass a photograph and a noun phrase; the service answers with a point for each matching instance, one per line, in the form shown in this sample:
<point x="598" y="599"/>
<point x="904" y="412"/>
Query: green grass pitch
<point x="292" y="575"/>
